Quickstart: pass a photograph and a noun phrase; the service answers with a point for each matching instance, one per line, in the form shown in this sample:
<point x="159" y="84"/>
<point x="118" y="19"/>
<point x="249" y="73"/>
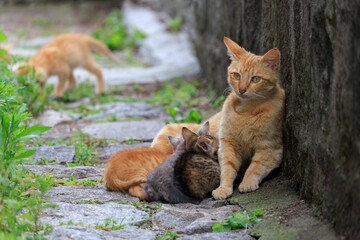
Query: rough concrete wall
<point x="320" y="71"/>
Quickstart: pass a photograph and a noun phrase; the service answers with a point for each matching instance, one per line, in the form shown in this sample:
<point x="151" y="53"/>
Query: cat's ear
<point x="174" y="141"/>
<point x="205" y="130"/>
<point x="235" y="52"/>
<point x="271" y="59"/>
<point x="189" y="136"/>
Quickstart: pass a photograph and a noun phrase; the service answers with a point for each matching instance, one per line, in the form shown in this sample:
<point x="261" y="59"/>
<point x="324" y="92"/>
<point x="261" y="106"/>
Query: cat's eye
<point x="256" y="79"/>
<point x="237" y="76"/>
<point x="209" y="137"/>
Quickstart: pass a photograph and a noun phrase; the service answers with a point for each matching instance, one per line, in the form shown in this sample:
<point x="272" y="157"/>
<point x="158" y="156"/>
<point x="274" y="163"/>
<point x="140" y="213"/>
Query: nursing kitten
<point x="161" y="183"/>
<point x="62" y="55"/>
<point x="197" y="170"/>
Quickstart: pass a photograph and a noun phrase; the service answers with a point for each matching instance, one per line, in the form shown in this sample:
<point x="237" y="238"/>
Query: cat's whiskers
<point x="227" y="90"/>
<point x="259" y="95"/>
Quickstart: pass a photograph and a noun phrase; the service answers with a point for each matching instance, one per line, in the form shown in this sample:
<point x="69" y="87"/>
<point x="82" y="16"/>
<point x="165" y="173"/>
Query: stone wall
<point x="320" y="71"/>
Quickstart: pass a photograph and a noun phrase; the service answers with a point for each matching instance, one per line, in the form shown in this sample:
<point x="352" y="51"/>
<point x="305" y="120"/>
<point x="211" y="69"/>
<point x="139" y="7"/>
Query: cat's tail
<point x="117" y="185"/>
<point x="100" y="48"/>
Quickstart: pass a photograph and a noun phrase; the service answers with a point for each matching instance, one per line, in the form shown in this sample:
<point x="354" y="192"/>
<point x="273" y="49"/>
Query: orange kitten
<point x="65" y="53"/>
<point x="251" y="123"/>
<point x="127" y="170"/>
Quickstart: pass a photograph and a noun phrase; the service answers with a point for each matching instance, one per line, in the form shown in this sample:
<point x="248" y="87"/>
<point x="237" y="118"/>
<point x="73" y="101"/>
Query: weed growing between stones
<point x="111" y="225"/>
<point x="177" y="96"/>
<point x="175" y="24"/>
<point x="194" y="115"/>
<point x="73" y="181"/>
<point x="115" y="34"/>
<point x="239" y="220"/>
<point x="44" y="161"/>
<point x="143" y="206"/>
<point x="132" y="141"/>
<point x="178" y="93"/>
<point x="21" y="192"/>
<point x="91" y="201"/>
<point x="167" y="235"/>
<point x="70" y="222"/>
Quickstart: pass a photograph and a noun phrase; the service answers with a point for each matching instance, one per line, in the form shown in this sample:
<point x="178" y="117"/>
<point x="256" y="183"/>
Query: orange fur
<point x="7" y="55"/>
<point x="65" y="53"/>
<point x="127" y="170"/>
<point x="251" y="124"/>
<point x="248" y="126"/>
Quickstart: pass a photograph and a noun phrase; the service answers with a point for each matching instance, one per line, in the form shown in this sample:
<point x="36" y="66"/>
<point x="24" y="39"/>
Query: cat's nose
<point x="242" y="90"/>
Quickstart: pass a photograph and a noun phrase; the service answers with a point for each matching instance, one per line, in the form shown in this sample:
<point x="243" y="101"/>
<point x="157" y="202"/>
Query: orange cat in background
<point x="249" y="126"/>
<point x="7" y="56"/>
<point x="65" y="53"/>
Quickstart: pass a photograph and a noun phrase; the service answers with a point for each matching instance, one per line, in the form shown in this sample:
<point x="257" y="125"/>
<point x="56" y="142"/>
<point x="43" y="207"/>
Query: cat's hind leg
<point x="95" y="69"/>
<point x="59" y="90"/>
<point x="71" y="83"/>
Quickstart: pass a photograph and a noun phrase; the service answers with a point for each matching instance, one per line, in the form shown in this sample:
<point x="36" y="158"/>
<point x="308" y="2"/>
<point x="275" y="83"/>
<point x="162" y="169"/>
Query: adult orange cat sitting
<point x="249" y="126"/>
<point x="65" y="53"/>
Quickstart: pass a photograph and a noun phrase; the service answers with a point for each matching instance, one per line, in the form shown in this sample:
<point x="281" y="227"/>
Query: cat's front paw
<point x="248" y="186"/>
<point x="222" y="193"/>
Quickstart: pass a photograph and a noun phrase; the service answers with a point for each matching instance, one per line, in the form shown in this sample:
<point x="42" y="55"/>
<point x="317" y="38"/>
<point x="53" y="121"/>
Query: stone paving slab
<point x="78" y="194"/>
<point x="81" y="233"/>
<point x="61" y="131"/>
<point x="190" y="221"/>
<point x="60" y="171"/>
<point x="139" y="130"/>
<point x="59" y="154"/>
<point x="238" y="234"/>
<point x="92" y="214"/>
<point x="286" y="216"/>
<point x="124" y="110"/>
<point x="51" y="118"/>
<point x="106" y="152"/>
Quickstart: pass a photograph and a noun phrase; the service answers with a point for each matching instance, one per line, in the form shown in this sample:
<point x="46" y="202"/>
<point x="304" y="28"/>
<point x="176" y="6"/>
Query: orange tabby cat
<point x="65" y="53"/>
<point x="251" y="123"/>
<point x="248" y="126"/>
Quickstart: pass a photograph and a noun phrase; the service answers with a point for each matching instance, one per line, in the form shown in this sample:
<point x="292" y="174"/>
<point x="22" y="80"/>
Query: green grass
<point x="143" y="206"/>
<point x="177" y="93"/>
<point x="239" y="220"/>
<point x="112" y="225"/>
<point x="41" y="22"/>
<point x="21" y="191"/>
<point x="167" y="235"/>
<point x="175" y="24"/>
<point x="91" y="201"/>
<point x="115" y="34"/>
<point x="73" y="181"/>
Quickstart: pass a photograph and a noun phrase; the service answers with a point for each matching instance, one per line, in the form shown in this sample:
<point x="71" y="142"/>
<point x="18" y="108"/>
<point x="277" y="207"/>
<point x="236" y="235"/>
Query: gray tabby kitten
<point x="161" y="183"/>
